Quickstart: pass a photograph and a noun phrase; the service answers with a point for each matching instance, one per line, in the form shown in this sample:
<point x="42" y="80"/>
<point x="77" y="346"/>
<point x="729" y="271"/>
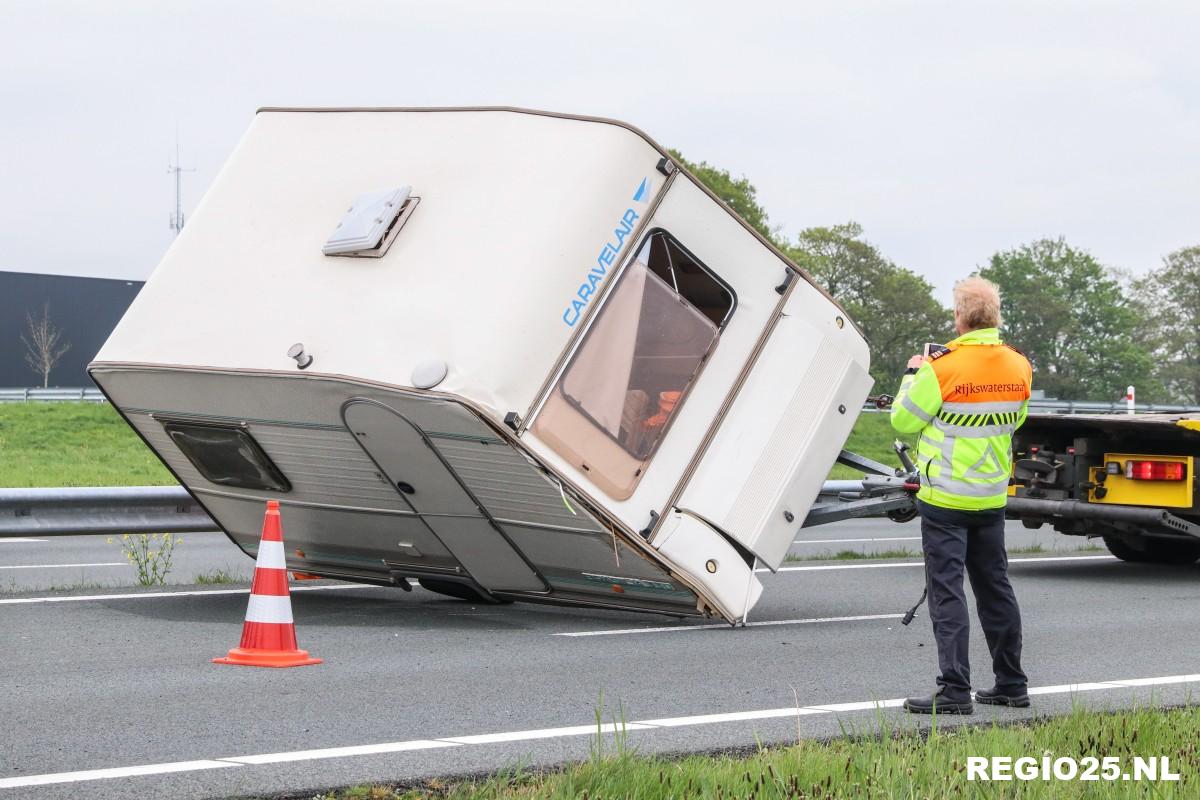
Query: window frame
<point x="560" y="383"/>
<point x="279" y="482"/>
<point x="658" y="230"/>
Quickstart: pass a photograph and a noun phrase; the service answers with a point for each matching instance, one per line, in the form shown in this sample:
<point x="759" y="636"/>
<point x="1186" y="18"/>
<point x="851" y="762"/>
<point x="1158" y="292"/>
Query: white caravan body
<point x="513" y="354"/>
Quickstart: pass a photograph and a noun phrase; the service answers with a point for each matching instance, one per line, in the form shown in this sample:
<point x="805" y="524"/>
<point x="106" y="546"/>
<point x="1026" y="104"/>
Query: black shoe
<point x="1017" y="698"/>
<point x="940" y="704"/>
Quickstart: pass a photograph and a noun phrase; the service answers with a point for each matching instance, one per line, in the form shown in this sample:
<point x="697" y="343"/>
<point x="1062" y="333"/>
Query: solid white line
<point x="1071" y="688"/>
<point x="540" y="733"/>
<point x="763" y="623"/>
<point x="115" y="772"/>
<point x="888" y="565"/>
<point x="150" y="595"/>
<point x="337" y="752"/>
<point x="61" y="566"/>
<point x="733" y="716"/>
<point x="1155" y="681"/>
<point x="547" y="733"/>
<point x="19" y="541"/>
<point x="839" y="541"/>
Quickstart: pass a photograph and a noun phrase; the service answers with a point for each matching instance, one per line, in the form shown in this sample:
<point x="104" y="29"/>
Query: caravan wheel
<point x="1156" y="551"/>
<point x="459" y="590"/>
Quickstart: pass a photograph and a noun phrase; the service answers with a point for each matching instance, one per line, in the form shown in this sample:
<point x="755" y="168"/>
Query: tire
<point x="1157" y="551"/>
<point x="460" y="591"/>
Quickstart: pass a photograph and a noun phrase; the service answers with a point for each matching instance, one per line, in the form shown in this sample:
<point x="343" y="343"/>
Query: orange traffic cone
<point x="269" y="635"/>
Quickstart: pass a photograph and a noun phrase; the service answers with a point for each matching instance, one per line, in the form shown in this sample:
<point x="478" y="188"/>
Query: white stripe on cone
<point x="269" y="608"/>
<point x="270" y="556"/>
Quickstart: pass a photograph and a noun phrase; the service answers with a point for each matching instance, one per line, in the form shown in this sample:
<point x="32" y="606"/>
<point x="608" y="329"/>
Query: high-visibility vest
<point x="966" y="402"/>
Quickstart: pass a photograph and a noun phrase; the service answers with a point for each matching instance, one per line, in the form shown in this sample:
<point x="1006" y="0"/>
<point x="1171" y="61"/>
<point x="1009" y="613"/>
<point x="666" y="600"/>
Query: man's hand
<point x="916" y="361"/>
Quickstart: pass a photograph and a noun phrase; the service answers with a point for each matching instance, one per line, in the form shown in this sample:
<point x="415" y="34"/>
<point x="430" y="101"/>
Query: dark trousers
<point x="951" y="541"/>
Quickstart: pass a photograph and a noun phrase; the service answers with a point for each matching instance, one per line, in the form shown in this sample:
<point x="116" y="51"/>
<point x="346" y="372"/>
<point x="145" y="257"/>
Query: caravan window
<point x="671" y="261"/>
<point x="226" y="455"/>
<point x="639" y="359"/>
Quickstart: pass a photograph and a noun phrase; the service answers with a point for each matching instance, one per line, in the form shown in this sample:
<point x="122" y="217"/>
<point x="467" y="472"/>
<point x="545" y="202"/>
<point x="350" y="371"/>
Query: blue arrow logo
<point x="643" y="191"/>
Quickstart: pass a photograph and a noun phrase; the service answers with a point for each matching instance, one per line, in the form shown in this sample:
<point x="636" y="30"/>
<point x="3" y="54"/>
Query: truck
<point x="1127" y="479"/>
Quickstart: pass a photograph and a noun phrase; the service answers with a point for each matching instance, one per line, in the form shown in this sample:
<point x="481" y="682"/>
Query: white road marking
<point x="115" y="772"/>
<point x="839" y="541"/>
<point x="887" y="564"/>
<point x="539" y="733"/>
<point x="337" y="752"/>
<point x="764" y="623"/>
<point x="150" y="595"/>
<point x="19" y="541"/>
<point x="547" y="733"/>
<point x="62" y="566"/>
<point x="733" y="716"/>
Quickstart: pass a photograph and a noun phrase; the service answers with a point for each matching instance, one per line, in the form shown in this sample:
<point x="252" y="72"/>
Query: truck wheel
<point x="458" y="590"/>
<point x="1157" y="551"/>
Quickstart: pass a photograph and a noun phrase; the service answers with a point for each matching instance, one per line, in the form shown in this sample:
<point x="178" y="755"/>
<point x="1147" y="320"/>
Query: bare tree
<point x="44" y="346"/>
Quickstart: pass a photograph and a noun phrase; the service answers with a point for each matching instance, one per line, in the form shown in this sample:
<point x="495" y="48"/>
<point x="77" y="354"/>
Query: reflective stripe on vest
<point x="964" y="452"/>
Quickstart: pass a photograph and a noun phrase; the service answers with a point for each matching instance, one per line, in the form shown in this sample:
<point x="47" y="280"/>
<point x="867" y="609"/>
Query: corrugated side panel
<point x="324" y="466"/>
<point x="507" y="485"/>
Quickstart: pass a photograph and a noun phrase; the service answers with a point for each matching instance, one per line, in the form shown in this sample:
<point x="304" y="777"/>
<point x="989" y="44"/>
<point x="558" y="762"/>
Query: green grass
<point x="222" y="576"/>
<point x="852" y="555"/>
<point x="872" y="437"/>
<point x="88" y="444"/>
<point x="887" y="763"/>
<point x="73" y="444"/>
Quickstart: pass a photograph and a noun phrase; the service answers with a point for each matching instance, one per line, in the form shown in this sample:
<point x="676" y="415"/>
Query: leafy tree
<point x="738" y="193"/>
<point x="1072" y="319"/>
<point x="894" y="306"/>
<point x="1169" y="298"/>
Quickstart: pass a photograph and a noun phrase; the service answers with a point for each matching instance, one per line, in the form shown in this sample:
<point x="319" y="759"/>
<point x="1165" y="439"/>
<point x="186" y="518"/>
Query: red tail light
<point x="1155" y="470"/>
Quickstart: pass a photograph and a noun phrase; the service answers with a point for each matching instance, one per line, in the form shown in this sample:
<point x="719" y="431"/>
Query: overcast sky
<point x="949" y="130"/>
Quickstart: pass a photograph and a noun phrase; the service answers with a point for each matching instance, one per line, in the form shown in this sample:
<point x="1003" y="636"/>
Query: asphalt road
<point x="416" y="685"/>
<point x="93" y="563"/>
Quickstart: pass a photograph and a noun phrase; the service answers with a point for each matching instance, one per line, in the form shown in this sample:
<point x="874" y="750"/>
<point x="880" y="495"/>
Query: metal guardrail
<point x="1091" y="407"/>
<point x="100" y="511"/>
<point x="94" y="395"/>
<point x="38" y="395"/>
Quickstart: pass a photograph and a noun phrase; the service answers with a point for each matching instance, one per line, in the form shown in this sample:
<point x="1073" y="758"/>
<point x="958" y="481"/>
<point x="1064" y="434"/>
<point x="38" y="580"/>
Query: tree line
<point x="1089" y="330"/>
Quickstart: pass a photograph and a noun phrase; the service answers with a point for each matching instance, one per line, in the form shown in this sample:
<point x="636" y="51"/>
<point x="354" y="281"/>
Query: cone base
<point x="253" y="657"/>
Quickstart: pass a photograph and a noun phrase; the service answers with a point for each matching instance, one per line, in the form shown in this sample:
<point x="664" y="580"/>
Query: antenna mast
<point x="177" y="219"/>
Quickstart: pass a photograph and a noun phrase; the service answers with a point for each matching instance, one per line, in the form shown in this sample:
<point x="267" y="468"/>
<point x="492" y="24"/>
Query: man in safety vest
<point x="966" y="400"/>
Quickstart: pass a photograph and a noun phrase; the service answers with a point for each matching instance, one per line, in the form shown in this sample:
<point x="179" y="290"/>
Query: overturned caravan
<point x="514" y="355"/>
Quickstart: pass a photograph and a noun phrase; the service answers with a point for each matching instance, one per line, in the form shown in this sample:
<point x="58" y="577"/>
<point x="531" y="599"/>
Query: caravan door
<point x="415" y="469"/>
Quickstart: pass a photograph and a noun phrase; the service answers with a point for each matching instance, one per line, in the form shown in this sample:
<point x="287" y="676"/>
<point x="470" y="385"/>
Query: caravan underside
<point x="380" y="485"/>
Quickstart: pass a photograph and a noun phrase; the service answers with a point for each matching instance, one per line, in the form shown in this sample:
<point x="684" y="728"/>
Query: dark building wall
<point x="84" y="309"/>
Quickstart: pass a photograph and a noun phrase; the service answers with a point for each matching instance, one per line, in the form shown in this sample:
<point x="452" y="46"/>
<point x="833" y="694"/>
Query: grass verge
<point x="888" y="763"/>
<point x="88" y="444"/>
<point x="855" y="555"/>
<point x="852" y="555"/>
<point x="872" y="437"/>
<point x="73" y="444"/>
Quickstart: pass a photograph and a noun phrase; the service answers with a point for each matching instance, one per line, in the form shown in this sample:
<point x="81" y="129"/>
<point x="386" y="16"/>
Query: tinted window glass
<point x="684" y="273"/>
<point x="638" y="360"/>
<point x="226" y="455"/>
